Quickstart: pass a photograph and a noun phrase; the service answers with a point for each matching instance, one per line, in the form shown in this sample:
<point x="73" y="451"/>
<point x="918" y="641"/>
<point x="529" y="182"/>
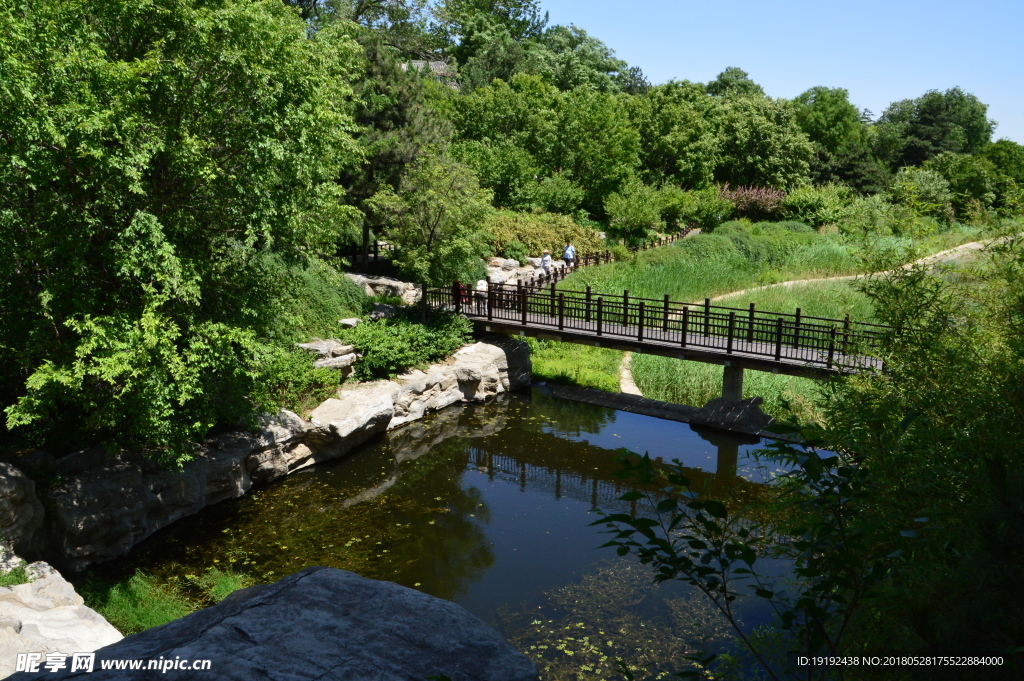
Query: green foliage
<point x="972" y="180"/>
<point x="579" y="365"/>
<point x="829" y="204"/>
<point x="392" y="346"/>
<point x="569" y="58"/>
<point x="912" y="131"/>
<point x="170" y="150"/>
<point x="677" y="126"/>
<point x="706" y="208"/>
<point x="634" y="212"/>
<point x="734" y="82"/>
<point x="762" y="145"/>
<point x="436" y="221"/>
<point x="829" y="119"/>
<point x="558" y="194"/>
<point x="142" y="601"/>
<point x="923" y="193"/>
<point x="516" y="250"/>
<point x="537" y="231"/>
<point x="287" y="380"/>
<point x="15" y="576"/>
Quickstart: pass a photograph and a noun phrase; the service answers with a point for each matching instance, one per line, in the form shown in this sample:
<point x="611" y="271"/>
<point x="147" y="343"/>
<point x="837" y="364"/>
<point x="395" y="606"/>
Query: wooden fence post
<point x="796" y="330"/>
<point x="625" y="307"/>
<point x="457" y="295"/>
<point x="561" y="311"/>
<point x="600" y="306"/>
<point x="750" y="325"/>
<point x="523" y="303"/>
<point x="831" y="346"/>
<point x="686" y="325"/>
<point x="707" y="317"/>
<point x="846" y="335"/>
<point x="732" y="330"/>
<point x="490" y="300"/>
<point x="640" y="323"/>
<point x="778" y="339"/>
<point x="552" y="299"/>
<point x="664" y="326"/>
<point x="589" y="295"/>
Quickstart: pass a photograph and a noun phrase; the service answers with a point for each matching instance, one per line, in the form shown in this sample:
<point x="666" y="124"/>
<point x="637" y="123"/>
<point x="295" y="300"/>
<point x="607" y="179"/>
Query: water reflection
<point x="487" y="505"/>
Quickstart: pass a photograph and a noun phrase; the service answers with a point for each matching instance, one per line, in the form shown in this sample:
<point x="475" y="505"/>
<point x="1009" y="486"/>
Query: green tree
<point x="436" y="221"/>
<point x="829" y="119"/>
<point x="569" y="58"/>
<point x="972" y="180"/>
<point x="634" y="212"/>
<point x="912" y="131"/>
<point x="677" y="124"/>
<point x="155" y="156"/>
<point x="457" y="22"/>
<point x="734" y="82"/>
<point x="762" y="145"/>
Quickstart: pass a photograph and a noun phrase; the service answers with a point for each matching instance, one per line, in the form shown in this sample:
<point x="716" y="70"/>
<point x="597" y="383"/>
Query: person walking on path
<point x="545" y="262"/>
<point x="569" y="255"/>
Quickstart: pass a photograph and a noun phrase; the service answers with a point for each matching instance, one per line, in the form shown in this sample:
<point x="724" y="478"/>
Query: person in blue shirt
<point x="569" y="254"/>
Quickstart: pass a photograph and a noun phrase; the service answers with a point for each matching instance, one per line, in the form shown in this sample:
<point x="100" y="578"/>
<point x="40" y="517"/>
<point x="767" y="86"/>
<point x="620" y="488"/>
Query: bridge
<point x="737" y="338"/>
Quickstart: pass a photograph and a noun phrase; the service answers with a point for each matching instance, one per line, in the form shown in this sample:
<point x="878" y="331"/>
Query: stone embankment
<point x="46" y="615"/>
<point x="107" y="503"/>
<point x="386" y="286"/>
<point x="321" y="623"/>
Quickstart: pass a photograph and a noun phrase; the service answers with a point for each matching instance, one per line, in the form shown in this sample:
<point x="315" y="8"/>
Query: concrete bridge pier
<point x="732" y="383"/>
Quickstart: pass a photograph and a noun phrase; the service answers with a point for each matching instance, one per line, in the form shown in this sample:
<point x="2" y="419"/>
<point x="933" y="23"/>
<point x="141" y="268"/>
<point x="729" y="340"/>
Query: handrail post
<point x="732" y="330"/>
<point x="707" y="317"/>
<point x="796" y="330"/>
<point x="561" y="311"/>
<point x="523" y="303"/>
<point x="778" y="339"/>
<point x="750" y="325"/>
<point x="589" y="295"/>
<point x="846" y="335"/>
<point x="640" y="323"/>
<point x="831" y="346"/>
<point x="457" y="295"/>
<point x="600" y="309"/>
<point x="552" y="299"/>
<point x="490" y="300"/>
<point x="664" y="325"/>
<point x="686" y="325"/>
<point x="625" y="307"/>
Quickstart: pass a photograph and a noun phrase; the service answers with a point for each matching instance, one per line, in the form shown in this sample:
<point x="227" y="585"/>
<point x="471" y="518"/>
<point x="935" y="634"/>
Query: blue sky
<point x="879" y="51"/>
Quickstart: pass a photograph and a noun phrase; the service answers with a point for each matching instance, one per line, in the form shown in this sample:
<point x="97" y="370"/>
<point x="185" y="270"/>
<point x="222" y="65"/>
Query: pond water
<point x="488" y="506"/>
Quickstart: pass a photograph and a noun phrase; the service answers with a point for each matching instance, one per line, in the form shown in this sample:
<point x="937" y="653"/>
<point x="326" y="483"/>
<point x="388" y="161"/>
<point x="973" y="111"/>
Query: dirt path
<point x="626" y="384"/>
<point x="947" y="255"/>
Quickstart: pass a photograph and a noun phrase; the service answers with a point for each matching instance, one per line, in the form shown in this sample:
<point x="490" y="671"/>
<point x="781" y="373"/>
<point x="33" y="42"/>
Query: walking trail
<point x="939" y="258"/>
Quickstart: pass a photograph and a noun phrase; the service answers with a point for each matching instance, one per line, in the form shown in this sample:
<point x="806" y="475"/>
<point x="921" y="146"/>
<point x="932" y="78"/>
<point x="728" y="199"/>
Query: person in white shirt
<point x="569" y="254"/>
<point x="545" y="262"/>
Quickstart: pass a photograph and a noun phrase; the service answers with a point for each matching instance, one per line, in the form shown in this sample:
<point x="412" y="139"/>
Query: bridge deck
<point x="744" y="337"/>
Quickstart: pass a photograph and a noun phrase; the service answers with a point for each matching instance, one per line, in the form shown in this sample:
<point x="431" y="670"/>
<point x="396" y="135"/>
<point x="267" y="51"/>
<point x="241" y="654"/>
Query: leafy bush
<point x="634" y="212"/>
<point x="709" y="247"/>
<point x="286" y="379"/>
<point x="15" y="576"/>
<point x="828" y="204"/>
<point x="516" y="250"/>
<point x="972" y="180"/>
<point x="703" y="207"/>
<point x="538" y="231"/>
<point x="923" y="193"/>
<point x="391" y="346"/>
<point x="754" y="203"/>
<point x="558" y="194"/>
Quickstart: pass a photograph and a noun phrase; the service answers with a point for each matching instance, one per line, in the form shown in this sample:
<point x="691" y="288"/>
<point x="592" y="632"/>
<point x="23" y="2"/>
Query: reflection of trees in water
<point x="614" y="612"/>
<point x="569" y="418"/>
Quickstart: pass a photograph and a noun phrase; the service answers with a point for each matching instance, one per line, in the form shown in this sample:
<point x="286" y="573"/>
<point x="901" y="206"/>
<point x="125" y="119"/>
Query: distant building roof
<point x="441" y="70"/>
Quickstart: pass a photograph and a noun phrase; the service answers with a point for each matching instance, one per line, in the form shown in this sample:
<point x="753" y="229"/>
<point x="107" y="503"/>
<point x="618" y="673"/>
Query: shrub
<point x="558" y="194"/>
<point x="391" y="346"/>
<point x="703" y="207"/>
<point x="516" y="250"/>
<point x="709" y="247"/>
<point x="286" y="379"/>
<point x="537" y="231"/>
<point x="828" y="204"/>
<point x="634" y="212"/>
<point x="755" y="203"/>
<point x="923" y="192"/>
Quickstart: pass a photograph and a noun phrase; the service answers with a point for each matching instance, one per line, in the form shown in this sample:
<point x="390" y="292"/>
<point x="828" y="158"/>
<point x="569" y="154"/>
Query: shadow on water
<point x="486" y="505"/>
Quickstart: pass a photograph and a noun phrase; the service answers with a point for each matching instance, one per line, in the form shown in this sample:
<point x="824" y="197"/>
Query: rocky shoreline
<point x="107" y="503"/>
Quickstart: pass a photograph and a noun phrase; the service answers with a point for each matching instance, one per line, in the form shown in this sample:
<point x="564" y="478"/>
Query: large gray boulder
<point x="385" y="286"/>
<point x="21" y="512"/>
<point x="46" y="615"/>
<point x="324" y="624"/>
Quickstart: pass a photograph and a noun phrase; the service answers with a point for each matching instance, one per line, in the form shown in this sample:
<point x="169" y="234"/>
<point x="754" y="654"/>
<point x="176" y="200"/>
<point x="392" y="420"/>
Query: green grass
<point x="15" y="576"/>
<point x="143" y="601"/>
<point x="693" y="383"/>
<point x="579" y="365"/>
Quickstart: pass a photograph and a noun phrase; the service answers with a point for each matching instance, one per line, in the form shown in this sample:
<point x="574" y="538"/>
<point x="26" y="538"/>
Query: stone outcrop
<point x="385" y="286"/>
<point x="21" y="513"/>
<point x="331" y="354"/>
<point x="325" y="624"/>
<point x="507" y="271"/>
<point x="109" y="503"/>
<point x="46" y="615"/>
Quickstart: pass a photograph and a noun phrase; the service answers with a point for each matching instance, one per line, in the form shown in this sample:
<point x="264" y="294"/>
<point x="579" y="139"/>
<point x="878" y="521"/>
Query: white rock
<point x="349" y="322"/>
